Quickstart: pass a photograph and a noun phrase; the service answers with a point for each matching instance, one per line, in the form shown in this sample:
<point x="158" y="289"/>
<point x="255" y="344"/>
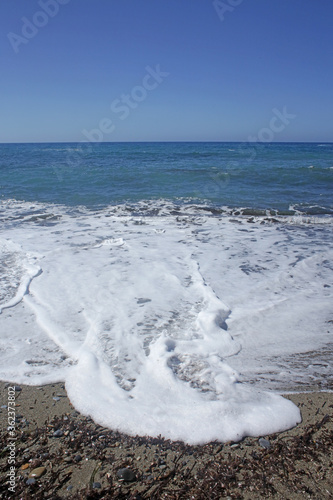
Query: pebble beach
<point x="52" y="451"/>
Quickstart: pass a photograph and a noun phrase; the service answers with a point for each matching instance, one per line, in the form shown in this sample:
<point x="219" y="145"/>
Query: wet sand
<point x="78" y="459"/>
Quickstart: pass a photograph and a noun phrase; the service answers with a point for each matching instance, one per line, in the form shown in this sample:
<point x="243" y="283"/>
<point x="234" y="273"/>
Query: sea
<point x="177" y="289"/>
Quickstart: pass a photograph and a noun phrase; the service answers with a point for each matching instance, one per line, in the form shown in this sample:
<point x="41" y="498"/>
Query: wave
<point x="162" y="314"/>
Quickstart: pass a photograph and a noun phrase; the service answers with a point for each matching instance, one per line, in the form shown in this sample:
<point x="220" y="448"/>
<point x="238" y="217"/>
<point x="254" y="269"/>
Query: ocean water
<point x="169" y="284"/>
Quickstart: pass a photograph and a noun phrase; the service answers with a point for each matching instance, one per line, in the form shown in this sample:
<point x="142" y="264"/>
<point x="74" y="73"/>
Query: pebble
<point x="58" y="433"/>
<point x="126" y="474"/>
<point x="18" y="388"/>
<point x="96" y="485"/>
<point x="264" y="443"/>
<point x="24" y="466"/>
<point x="30" y="481"/>
<point x="36" y="473"/>
<point x="78" y="458"/>
<point x="56" y="398"/>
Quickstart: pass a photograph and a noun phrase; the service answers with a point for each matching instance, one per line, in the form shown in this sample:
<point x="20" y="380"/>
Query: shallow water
<point x="161" y="316"/>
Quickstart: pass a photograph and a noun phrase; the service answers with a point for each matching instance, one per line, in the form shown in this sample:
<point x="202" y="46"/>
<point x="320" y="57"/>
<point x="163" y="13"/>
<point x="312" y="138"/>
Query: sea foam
<point x="173" y="325"/>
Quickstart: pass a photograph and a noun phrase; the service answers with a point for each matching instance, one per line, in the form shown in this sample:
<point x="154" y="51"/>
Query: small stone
<point x="30" y="481"/>
<point x="36" y="473"/>
<point x="58" y="433"/>
<point x="96" y="485"/>
<point x="247" y="442"/>
<point x="18" y="388"/>
<point x="34" y="463"/>
<point x="78" y="458"/>
<point x="25" y="466"/>
<point x="56" y="398"/>
<point x="126" y="474"/>
<point x="264" y="443"/>
<point x="69" y="488"/>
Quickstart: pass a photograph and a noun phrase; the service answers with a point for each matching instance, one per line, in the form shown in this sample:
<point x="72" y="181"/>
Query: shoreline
<point x="84" y="460"/>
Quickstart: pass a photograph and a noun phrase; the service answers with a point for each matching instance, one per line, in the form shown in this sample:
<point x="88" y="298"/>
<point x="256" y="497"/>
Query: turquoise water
<point x="282" y="177"/>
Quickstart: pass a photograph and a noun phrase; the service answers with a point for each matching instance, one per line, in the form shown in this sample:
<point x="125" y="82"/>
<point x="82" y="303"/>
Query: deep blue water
<point x="278" y="176"/>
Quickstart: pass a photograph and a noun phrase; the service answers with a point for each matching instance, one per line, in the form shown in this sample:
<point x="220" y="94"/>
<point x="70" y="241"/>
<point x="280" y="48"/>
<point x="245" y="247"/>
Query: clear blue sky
<point x="85" y="67"/>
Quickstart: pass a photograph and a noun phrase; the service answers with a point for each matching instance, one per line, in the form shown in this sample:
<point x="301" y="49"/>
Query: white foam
<point x="168" y="325"/>
<point x="17" y="272"/>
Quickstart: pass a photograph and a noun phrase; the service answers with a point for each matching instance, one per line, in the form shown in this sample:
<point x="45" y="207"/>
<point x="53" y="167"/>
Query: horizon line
<point x="169" y="142"/>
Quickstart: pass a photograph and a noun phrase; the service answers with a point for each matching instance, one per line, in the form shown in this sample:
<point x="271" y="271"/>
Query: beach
<point x="166" y="256"/>
<point x="154" y="307"/>
<point x="77" y="458"/>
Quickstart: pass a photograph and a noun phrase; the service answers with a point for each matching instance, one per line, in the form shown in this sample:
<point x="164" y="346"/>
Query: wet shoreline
<point x="77" y="458"/>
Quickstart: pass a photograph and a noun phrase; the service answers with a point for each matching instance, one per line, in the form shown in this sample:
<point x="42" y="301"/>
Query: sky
<point x="166" y="70"/>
